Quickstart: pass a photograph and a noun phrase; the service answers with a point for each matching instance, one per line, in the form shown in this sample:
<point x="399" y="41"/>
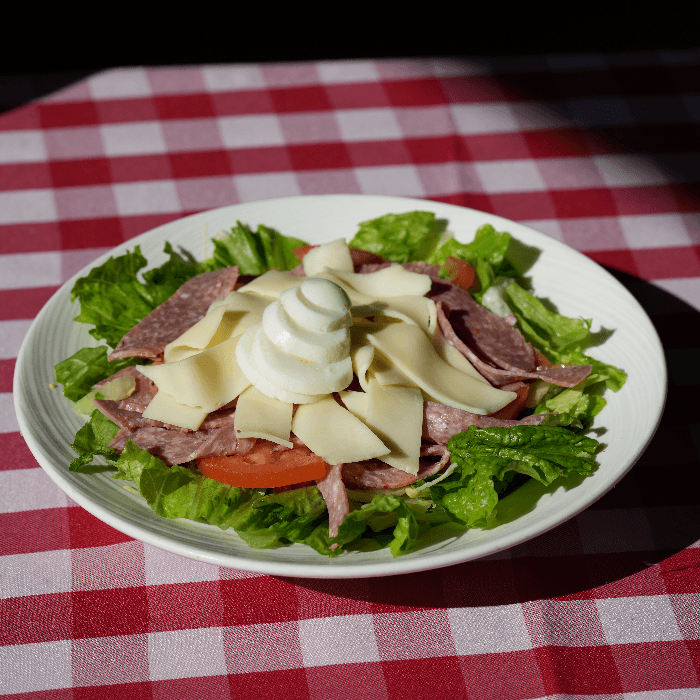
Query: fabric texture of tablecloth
<point x="599" y="151"/>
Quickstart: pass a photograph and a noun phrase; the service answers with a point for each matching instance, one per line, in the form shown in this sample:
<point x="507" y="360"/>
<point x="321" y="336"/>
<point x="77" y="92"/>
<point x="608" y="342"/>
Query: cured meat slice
<point x="566" y="376"/>
<point x="175" y="447"/>
<point x="173" y="317"/>
<point x="496" y="349"/>
<point x="489" y="336"/>
<point x="334" y="494"/>
<point x="441" y="422"/>
<point x="132" y="417"/>
<point x="375" y="474"/>
<point x="142" y="395"/>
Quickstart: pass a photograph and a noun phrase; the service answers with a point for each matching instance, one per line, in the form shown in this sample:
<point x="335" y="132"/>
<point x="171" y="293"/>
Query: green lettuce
<point x="562" y="340"/>
<point x="93" y="439"/>
<point x="114" y="297"/>
<point x="255" y="252"/>
<point x="487" y="458"/>
<point x="80" y="372"/>
<point x="400" y="238"/>
<point x="177" y="491"/>
<point x="487" y="254"/>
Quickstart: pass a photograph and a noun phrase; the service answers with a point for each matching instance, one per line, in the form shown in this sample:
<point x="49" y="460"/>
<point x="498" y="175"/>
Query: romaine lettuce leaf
<point x="80" y="372"/>
<point x="549" y="331"/>
<point x="179" y="492"/>
<point x="93" y="439"/>
<point x="280" y="518"/>
<point x="400" y="238"/>
<point x="484" y="458"/>
<point x="562" y="340"/>
<point x="487" y="254"/>
<point x="114" y="299"/>
<point x="255" y="252"/>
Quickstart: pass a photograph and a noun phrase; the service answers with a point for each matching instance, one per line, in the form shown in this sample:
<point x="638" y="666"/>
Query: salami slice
<point x="173" y="317"/>
<point x="566" y="376"/>
<point x="175" y="447"/>
<point x="441" y="422"/>
<point x="334" y="494"/>
<point x="375" y="474"/>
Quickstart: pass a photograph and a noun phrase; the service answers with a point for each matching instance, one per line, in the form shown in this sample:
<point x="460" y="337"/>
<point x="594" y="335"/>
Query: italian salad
<point x="351" y="396"/>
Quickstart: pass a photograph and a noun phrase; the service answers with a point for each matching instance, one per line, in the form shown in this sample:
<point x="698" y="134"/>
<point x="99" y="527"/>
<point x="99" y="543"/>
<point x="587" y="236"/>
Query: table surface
<point x="599" y="151"/>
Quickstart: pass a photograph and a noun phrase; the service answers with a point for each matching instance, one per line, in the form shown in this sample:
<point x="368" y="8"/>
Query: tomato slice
<point x="512" y="410"/>
<point x="264" y="466"/>
<point x="302" y="251"/>
<point x="460" y="272"/>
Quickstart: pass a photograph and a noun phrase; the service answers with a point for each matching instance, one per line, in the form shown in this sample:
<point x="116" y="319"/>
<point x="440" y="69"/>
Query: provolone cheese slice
<point x="209" y="379"/>
<point x="259" y="416"/>
<point x="332" y="432"/>
<point x="394" y="281"/>
<point x="335" y="255"/>
<point x="362" y="356"/>
<point x="454" y="358"/>
<point x="272" y="283"/>
<point x="395" y="415"/>
<point x="411" y="351"/>
<point x="166" y="408"/>
<point x="386" y="373"/>
<point x="228" y="317"/>
<point x="420" y="311"/>
<point x="357" y="402"/>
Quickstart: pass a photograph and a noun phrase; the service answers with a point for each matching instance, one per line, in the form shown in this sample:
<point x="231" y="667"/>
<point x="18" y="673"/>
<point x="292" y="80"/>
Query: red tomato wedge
<point x="512" y="410"/>
<point x="265" y="466"/>
<point x="302" y="251"/>
<point x="461" y="273"/>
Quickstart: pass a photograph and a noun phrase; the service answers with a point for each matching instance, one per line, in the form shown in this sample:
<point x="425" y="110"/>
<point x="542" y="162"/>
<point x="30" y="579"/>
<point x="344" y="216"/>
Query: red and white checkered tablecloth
<point x="599" y="151"/>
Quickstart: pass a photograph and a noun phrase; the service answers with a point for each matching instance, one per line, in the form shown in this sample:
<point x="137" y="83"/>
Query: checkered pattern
<point x="601" y="152"/>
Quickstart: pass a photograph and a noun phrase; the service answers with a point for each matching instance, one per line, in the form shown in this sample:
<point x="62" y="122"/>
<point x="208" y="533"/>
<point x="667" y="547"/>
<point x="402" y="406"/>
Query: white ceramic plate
<point x="578" y="287"/>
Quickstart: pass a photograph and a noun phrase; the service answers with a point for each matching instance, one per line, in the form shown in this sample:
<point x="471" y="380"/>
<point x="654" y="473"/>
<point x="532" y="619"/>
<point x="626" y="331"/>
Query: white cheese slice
<point x="361" y="356"/>
<point x="394" y="281"/>
<point x="357" y="402"/>
<point x="209" y="379"/>
<point x="386" y="373"/>
<point x="411" y="351"/>
<point x="335" y="255"/>
<point x="454" y="358"/>
<point x="259" y="416"/>
<point x="164" y="407"/>
<point x="272" y="283"/>
<point x="419" y="311"/>
<point x="335" y="434"/>
<point x="228" y="317"/>
<point x="395" y="414"/>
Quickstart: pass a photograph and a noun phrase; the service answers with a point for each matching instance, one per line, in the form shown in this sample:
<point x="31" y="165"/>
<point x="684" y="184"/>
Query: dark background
<point x="44" y="49"/>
